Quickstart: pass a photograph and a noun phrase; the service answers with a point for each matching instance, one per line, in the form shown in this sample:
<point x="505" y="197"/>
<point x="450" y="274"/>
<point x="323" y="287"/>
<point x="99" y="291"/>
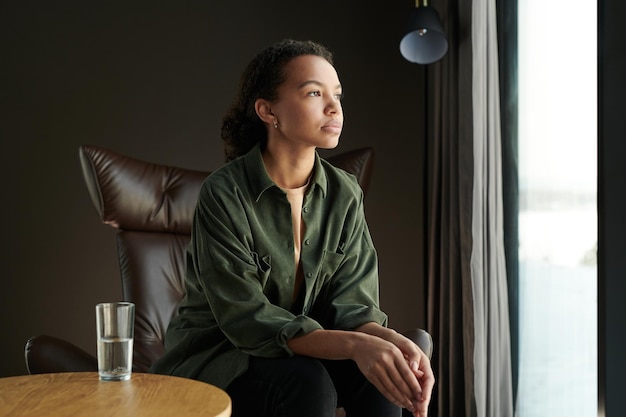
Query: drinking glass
<point x="115" y="328"/>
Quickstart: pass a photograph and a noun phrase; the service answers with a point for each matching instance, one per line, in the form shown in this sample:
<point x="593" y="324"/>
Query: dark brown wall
<point x="152" y="82"/>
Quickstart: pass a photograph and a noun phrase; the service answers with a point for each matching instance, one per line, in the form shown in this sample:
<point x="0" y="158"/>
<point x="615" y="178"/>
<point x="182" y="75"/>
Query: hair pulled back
<point x="241" y="126"/>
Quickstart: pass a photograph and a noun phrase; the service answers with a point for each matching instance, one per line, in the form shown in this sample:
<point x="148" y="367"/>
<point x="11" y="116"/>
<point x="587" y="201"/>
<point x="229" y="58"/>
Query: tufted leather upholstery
<point x="152" y="207"/>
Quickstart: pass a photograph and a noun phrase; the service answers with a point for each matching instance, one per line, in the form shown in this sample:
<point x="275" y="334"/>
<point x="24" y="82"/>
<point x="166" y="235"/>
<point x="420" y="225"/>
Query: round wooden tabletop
<point x="83" y="394"/>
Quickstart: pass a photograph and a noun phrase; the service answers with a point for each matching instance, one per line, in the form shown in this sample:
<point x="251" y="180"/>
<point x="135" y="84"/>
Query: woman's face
<point x="308" y="108"/>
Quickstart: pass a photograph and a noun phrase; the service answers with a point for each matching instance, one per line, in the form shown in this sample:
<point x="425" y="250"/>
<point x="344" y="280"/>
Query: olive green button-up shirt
<point x="241" y="270"/>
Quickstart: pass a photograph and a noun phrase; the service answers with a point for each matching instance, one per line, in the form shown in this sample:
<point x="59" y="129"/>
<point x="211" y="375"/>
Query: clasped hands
<point x="398" y="369"/>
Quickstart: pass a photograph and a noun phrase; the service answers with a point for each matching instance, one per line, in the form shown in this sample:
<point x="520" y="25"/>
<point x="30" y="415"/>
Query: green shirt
<point x="241" y="270"/>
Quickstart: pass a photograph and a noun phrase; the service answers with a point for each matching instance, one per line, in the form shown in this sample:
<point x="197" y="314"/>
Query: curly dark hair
<point x="241" y="127"/>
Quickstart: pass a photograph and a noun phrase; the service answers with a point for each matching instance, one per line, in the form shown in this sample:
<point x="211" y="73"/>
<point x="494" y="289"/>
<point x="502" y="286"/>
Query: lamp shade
<point x="425" y="41"/>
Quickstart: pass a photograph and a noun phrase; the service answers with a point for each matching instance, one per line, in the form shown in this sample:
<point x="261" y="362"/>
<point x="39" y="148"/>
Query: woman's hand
<point x="390" y="361"/>
<point x="385" y="366"/>
<point x="421" y="381"/>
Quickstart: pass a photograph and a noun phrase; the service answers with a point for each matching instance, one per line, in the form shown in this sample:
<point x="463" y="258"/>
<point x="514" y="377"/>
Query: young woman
<point x="282" y="279"/>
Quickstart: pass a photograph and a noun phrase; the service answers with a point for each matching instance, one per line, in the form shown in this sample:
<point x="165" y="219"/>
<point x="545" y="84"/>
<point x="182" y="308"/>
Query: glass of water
<point x="115" y="327"/>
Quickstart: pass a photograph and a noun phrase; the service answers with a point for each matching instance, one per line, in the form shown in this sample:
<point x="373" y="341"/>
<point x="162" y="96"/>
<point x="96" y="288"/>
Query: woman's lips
<point x="334" y="126"/>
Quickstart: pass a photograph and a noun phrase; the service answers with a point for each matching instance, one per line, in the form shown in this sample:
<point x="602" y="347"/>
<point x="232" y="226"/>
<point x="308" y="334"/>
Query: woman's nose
<point x="334" y="106"/>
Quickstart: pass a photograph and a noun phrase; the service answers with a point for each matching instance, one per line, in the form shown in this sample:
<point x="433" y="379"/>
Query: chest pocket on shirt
<point x="264" y="265"/>
<point x="328" y="267"/>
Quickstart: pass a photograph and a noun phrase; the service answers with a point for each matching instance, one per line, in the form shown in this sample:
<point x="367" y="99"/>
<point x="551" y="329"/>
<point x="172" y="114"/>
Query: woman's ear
<point x="264" y="111"/>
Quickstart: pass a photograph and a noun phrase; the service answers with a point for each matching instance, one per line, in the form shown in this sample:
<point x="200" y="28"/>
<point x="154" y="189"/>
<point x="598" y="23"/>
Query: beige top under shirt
<point x="296" y="198"/>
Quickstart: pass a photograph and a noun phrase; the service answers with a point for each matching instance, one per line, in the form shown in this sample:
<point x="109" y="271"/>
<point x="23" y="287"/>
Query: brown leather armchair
<point x="152" y="207"/>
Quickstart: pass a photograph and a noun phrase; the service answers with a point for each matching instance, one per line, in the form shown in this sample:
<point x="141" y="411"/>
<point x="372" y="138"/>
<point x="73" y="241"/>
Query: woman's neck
<point x="289" y="168"/>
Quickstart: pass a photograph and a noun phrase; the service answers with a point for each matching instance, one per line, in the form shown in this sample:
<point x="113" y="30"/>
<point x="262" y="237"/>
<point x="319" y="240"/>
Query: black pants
<point x="306" y="387"/>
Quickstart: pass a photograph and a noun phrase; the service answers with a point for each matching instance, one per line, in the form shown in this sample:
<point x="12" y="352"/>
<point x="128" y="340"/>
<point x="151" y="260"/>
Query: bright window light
<point x="558" y="212"/>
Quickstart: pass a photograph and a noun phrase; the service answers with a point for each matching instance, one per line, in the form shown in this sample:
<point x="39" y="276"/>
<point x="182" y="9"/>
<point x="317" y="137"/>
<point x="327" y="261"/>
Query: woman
<point x="282" y="288"/>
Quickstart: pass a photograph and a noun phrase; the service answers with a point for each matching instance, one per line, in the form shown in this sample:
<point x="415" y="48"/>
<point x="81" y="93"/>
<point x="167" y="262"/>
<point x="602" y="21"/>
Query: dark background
<point x="612" y="208"/>
<point x="152" y="80"/>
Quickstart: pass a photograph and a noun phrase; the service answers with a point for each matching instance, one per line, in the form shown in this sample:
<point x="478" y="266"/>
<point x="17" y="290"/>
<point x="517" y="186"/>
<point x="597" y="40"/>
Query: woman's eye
<point x="317" y="93"/>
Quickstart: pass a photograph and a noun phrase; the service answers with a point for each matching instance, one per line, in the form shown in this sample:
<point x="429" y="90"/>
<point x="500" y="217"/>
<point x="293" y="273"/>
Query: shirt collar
<point x="260" y="181"/>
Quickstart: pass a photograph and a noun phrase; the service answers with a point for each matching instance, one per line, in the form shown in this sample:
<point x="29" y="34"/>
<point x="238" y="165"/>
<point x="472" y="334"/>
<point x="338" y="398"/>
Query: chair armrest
<point x="47" y="354"/>
<point x="422" y="338"/>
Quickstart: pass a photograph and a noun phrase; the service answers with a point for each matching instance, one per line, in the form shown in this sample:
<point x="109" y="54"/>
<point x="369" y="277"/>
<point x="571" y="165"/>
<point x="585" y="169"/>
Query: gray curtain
<point x="467" y="290"/>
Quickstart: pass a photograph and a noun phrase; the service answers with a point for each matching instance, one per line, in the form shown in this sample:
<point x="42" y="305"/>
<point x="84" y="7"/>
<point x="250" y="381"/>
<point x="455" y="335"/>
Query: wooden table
<point x="83" y="394"/>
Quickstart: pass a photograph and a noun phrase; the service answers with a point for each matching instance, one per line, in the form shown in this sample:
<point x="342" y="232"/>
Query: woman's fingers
<point x="388" y="386"/>
<point x="427" y="382"/>
<point x="399" y="370"/>
<point x="390" y="373"/>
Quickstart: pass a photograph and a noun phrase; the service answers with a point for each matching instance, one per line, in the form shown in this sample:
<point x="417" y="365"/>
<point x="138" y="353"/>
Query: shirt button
<point x="309" y="274"/>
<point x="251" y="262"/>
<point x="305" y="209"/>
<point x="307" y="242"/>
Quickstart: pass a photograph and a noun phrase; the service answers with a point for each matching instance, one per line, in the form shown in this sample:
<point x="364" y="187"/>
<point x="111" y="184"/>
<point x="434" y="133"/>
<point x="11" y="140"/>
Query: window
<point x="558" y="212"/>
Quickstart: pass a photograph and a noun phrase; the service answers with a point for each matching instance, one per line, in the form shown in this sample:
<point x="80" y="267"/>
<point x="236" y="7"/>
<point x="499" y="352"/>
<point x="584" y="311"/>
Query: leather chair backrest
<point x="152" y="205"/>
